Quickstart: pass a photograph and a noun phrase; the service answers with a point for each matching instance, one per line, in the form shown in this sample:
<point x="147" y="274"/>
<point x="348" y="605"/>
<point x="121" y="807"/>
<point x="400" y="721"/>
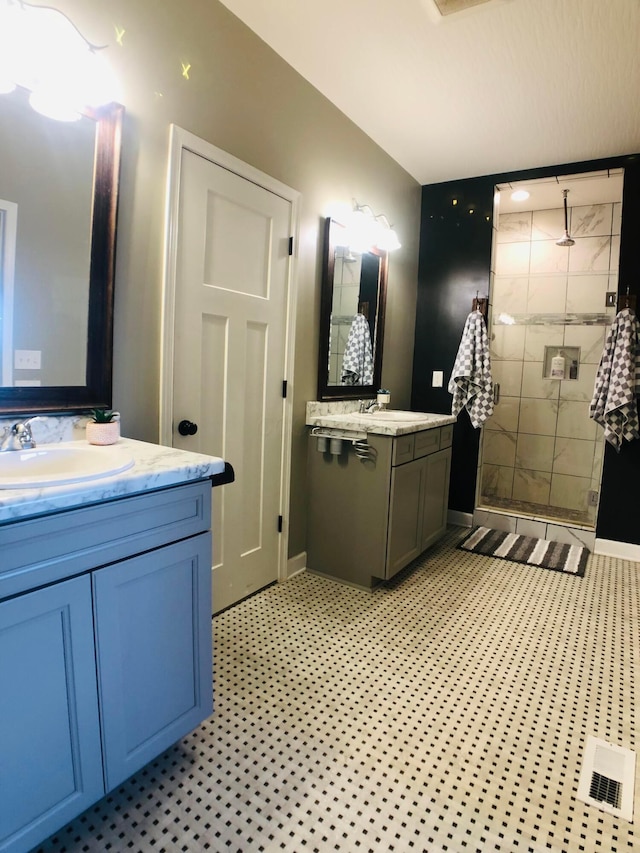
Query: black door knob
<point x="187" y="428"/>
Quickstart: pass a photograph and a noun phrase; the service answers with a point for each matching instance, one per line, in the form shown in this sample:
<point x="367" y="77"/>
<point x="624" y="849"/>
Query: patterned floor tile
<point x="448" y="710"/>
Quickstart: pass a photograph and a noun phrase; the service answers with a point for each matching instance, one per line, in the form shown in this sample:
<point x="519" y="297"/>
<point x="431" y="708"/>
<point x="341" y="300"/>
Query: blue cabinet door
<point x="50" y="755"/>
<point x="153" y="643"/>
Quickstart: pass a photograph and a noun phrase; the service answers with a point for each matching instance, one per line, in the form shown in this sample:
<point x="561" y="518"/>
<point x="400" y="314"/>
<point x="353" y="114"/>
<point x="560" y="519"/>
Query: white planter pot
<point x="103" y="433"/>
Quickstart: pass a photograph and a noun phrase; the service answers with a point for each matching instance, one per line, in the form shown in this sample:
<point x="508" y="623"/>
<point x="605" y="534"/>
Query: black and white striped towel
<point x="614" y="405"/>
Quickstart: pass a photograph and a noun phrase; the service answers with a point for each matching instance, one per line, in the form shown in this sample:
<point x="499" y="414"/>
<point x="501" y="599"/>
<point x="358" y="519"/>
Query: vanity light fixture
<point x="387" y="239"/>
<point x="369" y="230"/>
<point x="43" y="51"/>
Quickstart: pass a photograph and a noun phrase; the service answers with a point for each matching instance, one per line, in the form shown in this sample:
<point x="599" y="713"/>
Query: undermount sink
<point x="60" y="464"/>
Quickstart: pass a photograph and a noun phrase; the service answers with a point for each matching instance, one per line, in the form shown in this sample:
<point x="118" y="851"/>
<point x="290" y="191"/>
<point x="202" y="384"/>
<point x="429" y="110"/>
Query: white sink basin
<point x="60" y="464"/>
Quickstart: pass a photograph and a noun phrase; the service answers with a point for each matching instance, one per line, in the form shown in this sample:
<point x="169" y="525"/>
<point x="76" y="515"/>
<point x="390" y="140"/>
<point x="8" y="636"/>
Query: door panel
<point x="153" y="629"/>
<point x="407" y="485"/>
<point x="49" y="700"/>
<point x="230" y="343"/>
<point x="244" y="272"/>
<point x="436" y="497"/>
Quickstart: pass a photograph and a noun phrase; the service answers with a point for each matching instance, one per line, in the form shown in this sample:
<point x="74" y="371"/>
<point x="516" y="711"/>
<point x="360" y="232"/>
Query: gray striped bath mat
<point x="527" y="549"/>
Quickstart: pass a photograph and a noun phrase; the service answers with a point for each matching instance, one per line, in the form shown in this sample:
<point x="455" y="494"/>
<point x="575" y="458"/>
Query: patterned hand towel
<point x="614" y="404"/>
<point x="357" y="362"/>
<point x="470" y="382"/>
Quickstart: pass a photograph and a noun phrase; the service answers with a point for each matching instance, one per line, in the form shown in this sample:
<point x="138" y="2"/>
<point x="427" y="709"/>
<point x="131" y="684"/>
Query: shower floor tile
<point x="447" y="710"/>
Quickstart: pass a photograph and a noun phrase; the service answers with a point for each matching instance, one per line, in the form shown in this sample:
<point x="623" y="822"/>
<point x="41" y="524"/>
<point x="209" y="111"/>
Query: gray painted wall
<point x="243" y="98"/>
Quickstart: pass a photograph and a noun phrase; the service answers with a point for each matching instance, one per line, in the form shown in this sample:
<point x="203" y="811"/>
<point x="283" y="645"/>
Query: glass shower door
<point x="541" y="453"/>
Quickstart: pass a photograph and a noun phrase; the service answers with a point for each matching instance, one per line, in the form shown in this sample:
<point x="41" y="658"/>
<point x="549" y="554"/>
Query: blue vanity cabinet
<point x="153" y="637"/>
<point x="105" y="650"/>
<point x="50" y="755"/>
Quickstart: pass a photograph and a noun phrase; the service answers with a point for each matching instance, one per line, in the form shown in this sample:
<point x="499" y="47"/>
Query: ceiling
<point x="502" y="86"/>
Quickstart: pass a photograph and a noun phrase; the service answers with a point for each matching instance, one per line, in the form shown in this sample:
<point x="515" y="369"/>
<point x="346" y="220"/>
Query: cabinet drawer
<point x="446" y="436"/>
<point x="427" y="441"/>
<point x="41" y="550"/>
<point x="403" y="448"/>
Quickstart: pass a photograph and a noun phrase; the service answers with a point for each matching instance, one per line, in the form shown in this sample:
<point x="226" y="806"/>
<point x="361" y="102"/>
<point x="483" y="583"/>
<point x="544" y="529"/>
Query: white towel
<point x="357" y="361"/>
<point x="614" y="404"/>
<point x="470" y="382"/>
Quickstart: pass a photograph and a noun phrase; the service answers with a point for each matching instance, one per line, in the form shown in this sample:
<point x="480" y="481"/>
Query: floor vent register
<point x="607" y="778"/>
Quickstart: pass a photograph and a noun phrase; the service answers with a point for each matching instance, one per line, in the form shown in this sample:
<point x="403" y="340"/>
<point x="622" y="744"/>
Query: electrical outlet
<point x="592" y="497"/>
<point x="27" y="359"/>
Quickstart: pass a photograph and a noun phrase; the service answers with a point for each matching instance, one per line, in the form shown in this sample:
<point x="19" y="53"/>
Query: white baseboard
<point x="611" y="548"/>
<point x="296" y="564"/>
<point x="462" y="519"/>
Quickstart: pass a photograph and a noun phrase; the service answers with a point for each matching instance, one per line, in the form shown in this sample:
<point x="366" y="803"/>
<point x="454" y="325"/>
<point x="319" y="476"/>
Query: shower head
<point x="565" y="240"/>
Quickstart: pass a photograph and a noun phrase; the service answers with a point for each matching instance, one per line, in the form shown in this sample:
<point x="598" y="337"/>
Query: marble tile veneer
<point x="156" y="466"/>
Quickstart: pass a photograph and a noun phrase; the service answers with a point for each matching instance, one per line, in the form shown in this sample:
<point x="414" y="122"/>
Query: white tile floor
<point x="445" y="711"/>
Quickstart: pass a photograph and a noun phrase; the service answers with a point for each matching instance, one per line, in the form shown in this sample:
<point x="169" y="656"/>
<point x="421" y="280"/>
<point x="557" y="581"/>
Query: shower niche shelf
<point x="571" y="357"/>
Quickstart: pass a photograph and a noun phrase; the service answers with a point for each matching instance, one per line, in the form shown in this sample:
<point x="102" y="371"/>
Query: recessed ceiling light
<point x="519" y="195"/>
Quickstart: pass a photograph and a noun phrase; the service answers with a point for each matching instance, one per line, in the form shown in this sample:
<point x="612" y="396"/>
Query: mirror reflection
<point x="58" y="198"/>
<point x="45" y="203"/>
<point x="352" y="321"/>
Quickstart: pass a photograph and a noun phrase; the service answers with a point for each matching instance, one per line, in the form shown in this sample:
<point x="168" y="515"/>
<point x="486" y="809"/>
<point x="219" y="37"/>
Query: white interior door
<point x="229" y="358"/>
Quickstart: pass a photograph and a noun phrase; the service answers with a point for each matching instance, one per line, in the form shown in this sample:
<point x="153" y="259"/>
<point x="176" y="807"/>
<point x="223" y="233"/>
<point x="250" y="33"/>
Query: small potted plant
<point x="104" y="427"/>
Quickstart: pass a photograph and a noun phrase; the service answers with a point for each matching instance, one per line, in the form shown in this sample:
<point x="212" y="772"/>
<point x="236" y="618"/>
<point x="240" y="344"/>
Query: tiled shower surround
<point x="541" y="453"/>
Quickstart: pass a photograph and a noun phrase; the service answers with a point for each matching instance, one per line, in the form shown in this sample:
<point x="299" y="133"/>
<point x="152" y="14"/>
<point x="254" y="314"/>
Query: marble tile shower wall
<point x="540" y="446"/>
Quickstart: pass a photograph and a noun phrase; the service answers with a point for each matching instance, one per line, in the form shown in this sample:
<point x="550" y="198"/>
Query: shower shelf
<point x="505" y="319"/>
<point x="571" y="357"/>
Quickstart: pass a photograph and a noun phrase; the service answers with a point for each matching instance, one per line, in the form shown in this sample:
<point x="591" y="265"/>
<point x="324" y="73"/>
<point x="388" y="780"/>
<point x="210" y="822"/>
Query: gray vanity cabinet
<point x="369" y="519"/>
<point x="105" y="650"/>
<point x="419" y="495"/>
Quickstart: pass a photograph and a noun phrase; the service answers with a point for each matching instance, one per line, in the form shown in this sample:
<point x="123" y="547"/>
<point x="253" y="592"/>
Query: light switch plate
<point x="437" y="379"/>
<point x="27" y="359"/>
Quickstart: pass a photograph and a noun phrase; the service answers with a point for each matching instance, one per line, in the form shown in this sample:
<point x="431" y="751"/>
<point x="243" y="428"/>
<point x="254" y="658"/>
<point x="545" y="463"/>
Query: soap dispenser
<point x="383" y="397"/>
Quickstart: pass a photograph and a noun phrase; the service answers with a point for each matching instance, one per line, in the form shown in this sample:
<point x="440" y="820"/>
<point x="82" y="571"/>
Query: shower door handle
<point x="496" y="393"/>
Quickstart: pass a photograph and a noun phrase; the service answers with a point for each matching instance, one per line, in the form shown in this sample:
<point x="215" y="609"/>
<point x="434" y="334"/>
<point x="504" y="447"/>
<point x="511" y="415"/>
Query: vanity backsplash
<point x="50" y="429"/>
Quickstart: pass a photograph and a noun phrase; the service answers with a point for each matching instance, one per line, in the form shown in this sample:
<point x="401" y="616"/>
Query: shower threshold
<point x="539" y="512"/>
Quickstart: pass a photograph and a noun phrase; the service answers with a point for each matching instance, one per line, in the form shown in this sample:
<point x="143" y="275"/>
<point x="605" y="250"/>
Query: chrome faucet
<point x="373" y="406"/>
<point x="18" y="436"/>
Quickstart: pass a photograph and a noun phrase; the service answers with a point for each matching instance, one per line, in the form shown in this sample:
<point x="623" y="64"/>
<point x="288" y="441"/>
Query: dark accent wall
<point x="455" y="258"/>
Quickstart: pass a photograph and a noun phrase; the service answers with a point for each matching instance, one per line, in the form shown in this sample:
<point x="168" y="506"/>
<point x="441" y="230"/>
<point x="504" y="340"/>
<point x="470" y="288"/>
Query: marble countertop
<point x="379" y="423"/>
<point x="156" y="466"/>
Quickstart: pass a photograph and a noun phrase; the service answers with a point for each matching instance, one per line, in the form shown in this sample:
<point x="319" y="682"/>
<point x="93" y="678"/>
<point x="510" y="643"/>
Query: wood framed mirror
<point x="58" y="206"/>
<point x="353" y="300"/>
